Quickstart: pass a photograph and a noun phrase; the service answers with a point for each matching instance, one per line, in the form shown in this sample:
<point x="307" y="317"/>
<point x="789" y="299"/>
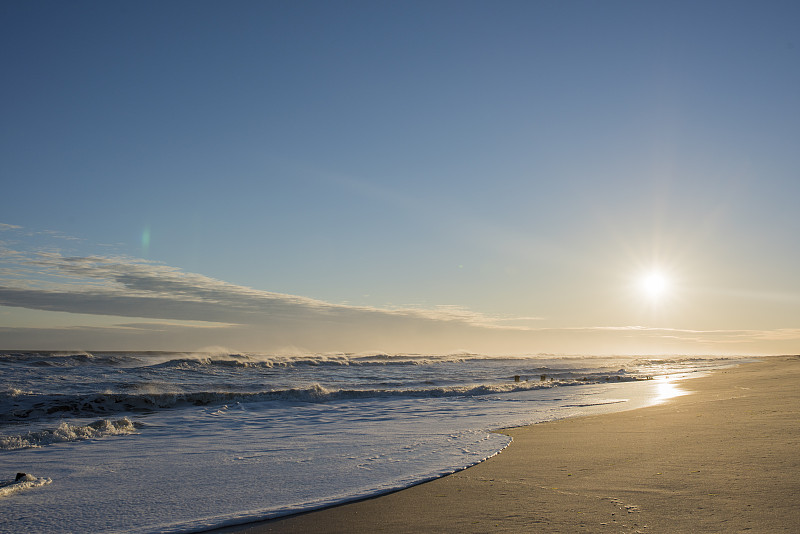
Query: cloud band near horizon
<point x="252" y="318"/>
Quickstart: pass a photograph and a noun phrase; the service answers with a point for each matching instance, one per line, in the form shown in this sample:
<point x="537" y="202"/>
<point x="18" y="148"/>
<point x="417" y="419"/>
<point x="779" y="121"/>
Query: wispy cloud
<point x="132" y="287"/>
<point x="708" y="337"/>
<point x="27" y="232"/>
<point x="161" y="299"/>
<point x="169" y="307"/>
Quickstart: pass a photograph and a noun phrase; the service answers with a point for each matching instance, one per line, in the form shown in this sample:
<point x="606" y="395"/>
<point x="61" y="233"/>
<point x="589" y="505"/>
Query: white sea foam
<point x="66" y="432"/>
<point x="25" y="482"/>
<point x="13" y="393"/>
<point x="260" y="436"/>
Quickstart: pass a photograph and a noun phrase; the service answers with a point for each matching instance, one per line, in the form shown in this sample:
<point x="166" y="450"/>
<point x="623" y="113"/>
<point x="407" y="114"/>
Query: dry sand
<point x="725" y="458"/>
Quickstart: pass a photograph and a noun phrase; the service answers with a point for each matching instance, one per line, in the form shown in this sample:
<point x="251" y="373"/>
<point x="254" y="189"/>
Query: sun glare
<point x="654" y="285"/>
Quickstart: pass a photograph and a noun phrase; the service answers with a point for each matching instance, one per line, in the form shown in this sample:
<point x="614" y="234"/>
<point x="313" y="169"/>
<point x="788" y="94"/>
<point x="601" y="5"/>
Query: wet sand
<point x="725" y="458"/>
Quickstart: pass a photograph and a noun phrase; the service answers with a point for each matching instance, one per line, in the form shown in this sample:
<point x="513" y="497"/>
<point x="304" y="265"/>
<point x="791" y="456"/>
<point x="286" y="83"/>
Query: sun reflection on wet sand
<point x="667" y="388"/>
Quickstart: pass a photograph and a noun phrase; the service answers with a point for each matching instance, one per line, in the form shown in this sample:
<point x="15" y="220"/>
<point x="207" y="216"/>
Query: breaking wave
<point x="66" y="432"/>
<point x="40" y="406"/>
<point x="178" y="360"/>
<point x="68" y="359"/>
<point x="243" y="361"/>
<point x="189" y="360"/>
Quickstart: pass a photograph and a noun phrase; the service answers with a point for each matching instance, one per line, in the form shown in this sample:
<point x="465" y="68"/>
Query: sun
<point x="654" y="285"/>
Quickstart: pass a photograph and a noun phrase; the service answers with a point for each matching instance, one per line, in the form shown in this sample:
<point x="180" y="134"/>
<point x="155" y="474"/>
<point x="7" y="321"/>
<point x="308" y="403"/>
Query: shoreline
<point x="722" y="458"/>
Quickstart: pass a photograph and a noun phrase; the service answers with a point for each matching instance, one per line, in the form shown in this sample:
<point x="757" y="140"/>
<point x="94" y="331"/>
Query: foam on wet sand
<point x="721" y="459"/>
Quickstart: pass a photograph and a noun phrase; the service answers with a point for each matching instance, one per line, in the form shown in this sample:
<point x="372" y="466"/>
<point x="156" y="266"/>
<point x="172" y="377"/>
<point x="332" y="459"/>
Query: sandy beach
<point x="723" y="458"/>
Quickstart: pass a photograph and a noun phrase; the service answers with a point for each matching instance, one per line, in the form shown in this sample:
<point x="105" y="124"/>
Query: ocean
<point x="182" y="442"/>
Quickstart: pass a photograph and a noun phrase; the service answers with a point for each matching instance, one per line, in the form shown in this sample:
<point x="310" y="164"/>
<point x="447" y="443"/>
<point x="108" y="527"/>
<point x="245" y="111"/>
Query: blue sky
<point x="503" y="173"/>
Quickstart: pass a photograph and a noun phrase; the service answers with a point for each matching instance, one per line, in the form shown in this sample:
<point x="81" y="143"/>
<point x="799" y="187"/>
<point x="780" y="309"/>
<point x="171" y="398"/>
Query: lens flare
<point x="145" y="239"/>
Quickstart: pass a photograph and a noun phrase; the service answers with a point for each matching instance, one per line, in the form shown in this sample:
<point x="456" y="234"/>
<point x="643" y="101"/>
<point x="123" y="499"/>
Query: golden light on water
<point x="667" y="389"/>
